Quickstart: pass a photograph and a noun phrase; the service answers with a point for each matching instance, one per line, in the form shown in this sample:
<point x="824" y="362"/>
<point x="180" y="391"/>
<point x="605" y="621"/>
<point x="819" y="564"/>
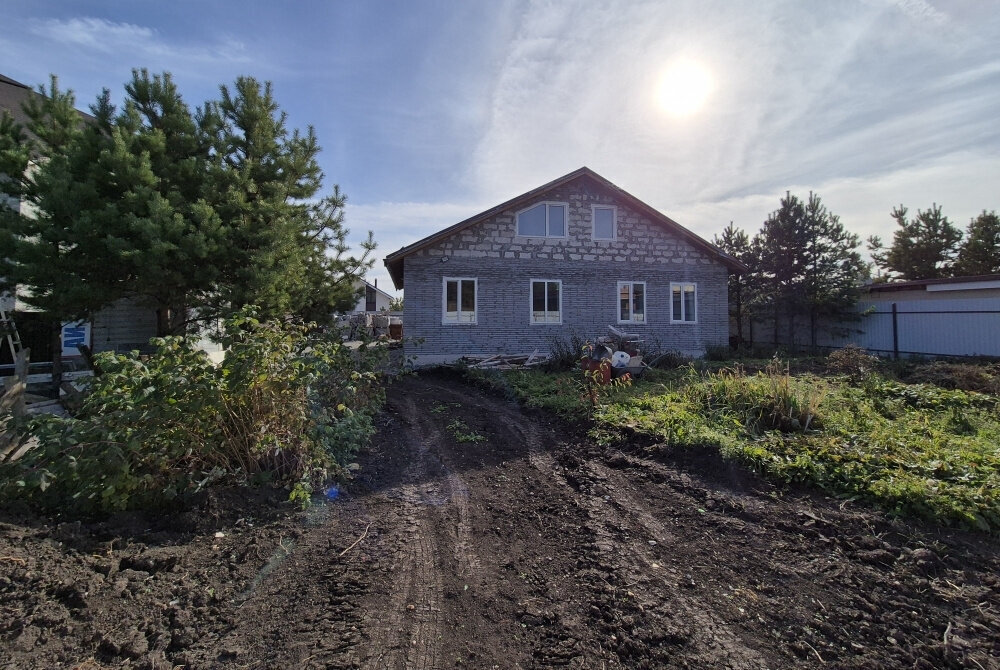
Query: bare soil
<point x="532" y="549"/>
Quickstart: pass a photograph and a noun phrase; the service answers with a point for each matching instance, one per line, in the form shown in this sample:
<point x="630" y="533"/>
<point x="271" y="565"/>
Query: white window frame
<point x="547" y="203"/>
<point x="531" y="302"/>
<point x="682" y="285"/>
<point x="631" y="294"/>
<point x="593" y="223"/>
<point x="457" y="319"/>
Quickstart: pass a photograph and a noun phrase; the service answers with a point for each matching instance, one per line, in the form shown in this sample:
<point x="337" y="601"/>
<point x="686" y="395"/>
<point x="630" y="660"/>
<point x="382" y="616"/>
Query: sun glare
<point x="684" y="88"/>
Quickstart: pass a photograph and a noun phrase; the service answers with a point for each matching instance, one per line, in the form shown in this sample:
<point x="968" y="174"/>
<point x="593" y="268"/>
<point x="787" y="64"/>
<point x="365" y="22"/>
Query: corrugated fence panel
<point x="932" y="327"/>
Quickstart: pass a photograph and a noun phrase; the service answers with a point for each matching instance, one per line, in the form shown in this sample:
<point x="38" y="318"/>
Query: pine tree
<point x="263" y="178"/>
<point x="194" y="215"/>
<point x="780" y="246"/>
<point x="42" y="166"/>
<point x="980" y="253"/>
<point x="735" y="242"/>
<point x="833" y="269"/>
<point x="922" y="248"/>
<point x="807" y="265"/>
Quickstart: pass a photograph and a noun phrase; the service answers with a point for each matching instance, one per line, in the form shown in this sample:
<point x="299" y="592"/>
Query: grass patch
<point x="916" y="450"/>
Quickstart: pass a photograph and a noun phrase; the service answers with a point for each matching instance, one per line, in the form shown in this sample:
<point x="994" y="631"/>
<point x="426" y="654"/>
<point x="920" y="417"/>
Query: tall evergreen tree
<point x="42" y="165"/>
<point x="923" y="247"/>
<point x="807" y="265"/>
<point x="980" y="252"/>
<point x="780" y="246"/>
<point x="194" y="215"/>
<point x="833" y="269"/>
<point x="264" y="180"/>
<point x="735" y="242"/>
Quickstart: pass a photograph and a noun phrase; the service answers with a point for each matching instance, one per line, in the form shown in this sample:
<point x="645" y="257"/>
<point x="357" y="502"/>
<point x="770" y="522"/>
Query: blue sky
<point x="429" y="112"/>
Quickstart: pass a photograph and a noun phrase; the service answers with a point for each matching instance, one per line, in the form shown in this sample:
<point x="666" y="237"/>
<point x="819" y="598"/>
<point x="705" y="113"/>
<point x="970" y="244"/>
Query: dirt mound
<point x="478" y="536"/>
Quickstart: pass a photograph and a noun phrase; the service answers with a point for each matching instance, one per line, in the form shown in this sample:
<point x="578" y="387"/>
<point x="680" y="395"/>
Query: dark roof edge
<point x="7" y="80"/>
<point x="392" y="261"/>
<point x="917" y="283"/>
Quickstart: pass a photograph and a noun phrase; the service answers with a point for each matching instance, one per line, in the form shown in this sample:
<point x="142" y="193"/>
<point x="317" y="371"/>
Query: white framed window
<point x="459" y="297"/>
<point x="683" y="302"/>
<point x="605" y="222"/>
<point x="545" y="219"/>
<point x="631" y="302"/>
<point x="546" y="301"/>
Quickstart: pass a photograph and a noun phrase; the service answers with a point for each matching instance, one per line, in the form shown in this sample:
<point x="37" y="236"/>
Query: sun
<point x="684" y="87"/>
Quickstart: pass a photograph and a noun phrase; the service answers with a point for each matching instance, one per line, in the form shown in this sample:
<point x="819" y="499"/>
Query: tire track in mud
<point x="406" y="630"/>
<point x="616" y="510"/>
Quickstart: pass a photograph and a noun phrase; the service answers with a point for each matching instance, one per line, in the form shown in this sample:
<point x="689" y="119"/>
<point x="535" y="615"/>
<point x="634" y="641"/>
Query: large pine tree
<point x="735" y="242"/>
<point x="195" y="215"/>
<point x="923" y="247"/>
<point x="807" y="265"/>
<point x="980" y="252"/>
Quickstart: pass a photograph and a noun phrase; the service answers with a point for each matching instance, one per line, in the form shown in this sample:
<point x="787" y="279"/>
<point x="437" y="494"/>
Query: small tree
<point x="922" y="248"/>
<point x="980" y="253"/>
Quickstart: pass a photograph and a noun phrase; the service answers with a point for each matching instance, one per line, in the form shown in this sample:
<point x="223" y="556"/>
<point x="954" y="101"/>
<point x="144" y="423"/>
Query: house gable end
<point x="642" y="231"/>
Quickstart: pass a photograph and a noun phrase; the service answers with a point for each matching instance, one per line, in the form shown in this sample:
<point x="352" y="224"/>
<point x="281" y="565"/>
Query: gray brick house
<point x="570" y="257"/>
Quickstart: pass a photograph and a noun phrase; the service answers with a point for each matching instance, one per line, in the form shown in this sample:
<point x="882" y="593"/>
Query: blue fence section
<point x="927" y="327"/>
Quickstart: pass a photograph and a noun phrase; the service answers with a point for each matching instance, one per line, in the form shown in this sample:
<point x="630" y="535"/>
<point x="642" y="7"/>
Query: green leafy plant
<point x="287" y="404"/>
<point x="462" y="433"/>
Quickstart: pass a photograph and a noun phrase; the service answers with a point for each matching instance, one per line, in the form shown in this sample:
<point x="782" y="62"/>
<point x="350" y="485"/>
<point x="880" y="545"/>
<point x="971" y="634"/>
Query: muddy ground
<point x="533" y="548"/>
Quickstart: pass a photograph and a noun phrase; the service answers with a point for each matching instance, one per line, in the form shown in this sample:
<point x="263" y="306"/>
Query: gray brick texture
<point x="504" y="263"/>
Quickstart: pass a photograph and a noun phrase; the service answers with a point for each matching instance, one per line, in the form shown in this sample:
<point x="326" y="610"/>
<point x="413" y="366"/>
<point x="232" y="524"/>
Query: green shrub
<point x="286" y="405"/>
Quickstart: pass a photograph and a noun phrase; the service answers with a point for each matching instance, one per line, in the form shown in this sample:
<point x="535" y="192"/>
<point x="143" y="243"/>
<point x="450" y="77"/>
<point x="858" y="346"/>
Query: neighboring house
<point x="958" y="316"/>
<point x="374" y="299"/>
<point x="568" y="258"/>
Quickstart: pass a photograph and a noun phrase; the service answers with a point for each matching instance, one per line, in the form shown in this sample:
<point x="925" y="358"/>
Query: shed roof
<point x="923" y="283"/>
<point x="394" y="261"/>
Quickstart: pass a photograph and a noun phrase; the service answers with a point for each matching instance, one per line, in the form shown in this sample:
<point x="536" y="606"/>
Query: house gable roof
<point x="375" y="288"/>
<point x="394" y="261"/>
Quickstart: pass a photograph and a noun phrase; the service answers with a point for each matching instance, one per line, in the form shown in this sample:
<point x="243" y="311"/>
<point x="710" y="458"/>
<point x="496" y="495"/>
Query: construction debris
<point x="504" y="361"/>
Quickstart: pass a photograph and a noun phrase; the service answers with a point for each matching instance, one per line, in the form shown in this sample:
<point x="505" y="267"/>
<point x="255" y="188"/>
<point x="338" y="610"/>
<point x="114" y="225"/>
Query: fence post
<point x="895" y="333"/>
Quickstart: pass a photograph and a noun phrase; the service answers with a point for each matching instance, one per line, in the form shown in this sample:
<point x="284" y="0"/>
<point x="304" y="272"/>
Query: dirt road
<point x="529" y="548"/>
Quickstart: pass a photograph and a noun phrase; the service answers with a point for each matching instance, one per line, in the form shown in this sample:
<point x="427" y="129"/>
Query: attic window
<point x="546" y="219"/>
<point x="604" y="222"/>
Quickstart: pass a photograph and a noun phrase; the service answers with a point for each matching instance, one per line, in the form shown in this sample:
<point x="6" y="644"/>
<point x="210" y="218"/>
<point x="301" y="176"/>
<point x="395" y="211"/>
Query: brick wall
<point x="504" y="263"/>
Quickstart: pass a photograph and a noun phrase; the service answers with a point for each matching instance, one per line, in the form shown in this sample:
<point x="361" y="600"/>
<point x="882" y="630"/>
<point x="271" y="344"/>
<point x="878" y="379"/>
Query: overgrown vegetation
<point x="914" y="449"/>
<point x="288" y="405"/>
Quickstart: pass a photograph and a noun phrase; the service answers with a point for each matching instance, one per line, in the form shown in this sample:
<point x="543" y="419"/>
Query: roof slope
<point x="394" y="261"/>
<point x="12" y="95"/>
<point x="919" y="283"/>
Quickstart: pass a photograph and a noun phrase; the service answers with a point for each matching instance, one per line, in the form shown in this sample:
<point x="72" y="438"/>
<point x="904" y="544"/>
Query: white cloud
<point x="955" y="182"/>
<point x="809" y="96"/>
<point x="139" y="43"/>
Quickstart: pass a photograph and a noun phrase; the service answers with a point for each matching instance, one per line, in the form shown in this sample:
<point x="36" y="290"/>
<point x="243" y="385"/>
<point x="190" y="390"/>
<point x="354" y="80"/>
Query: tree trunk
<point x="164" y="321"/>
<point x="739" y="314"/>
<point x="57" y="370"/>
<point x="812" y="329"/>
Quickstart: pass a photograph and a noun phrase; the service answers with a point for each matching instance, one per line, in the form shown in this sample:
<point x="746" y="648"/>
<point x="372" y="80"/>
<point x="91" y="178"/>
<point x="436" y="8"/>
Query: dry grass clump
<point x="852" y="360"/>
<point x="984" y="378"/>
